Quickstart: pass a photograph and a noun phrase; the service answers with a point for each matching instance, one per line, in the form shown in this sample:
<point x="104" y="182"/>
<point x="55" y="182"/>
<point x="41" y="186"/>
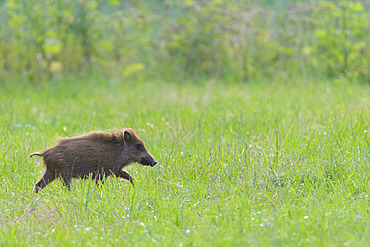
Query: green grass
<point x="261" y="164"/>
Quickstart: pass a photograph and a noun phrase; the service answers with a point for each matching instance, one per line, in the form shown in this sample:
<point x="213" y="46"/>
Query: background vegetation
<point x="257" y="111"/>
<point x="178" y="40"/>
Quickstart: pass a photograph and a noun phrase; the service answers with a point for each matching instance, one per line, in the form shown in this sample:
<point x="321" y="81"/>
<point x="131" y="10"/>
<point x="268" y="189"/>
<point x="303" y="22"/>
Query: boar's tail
<point x="38" y="154"/>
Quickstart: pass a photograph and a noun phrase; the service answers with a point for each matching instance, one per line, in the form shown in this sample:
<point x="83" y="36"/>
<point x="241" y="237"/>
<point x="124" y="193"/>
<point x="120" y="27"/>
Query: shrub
<point x="340" y="38"/>
<point x="176" y="40"/>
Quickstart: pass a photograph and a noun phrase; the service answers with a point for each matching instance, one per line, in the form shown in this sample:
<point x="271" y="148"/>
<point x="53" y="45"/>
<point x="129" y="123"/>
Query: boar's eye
<point x="139" y="147"/>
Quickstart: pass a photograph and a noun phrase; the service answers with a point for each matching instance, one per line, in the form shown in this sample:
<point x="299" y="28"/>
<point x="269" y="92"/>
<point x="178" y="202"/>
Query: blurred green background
<point x="171" y="40"/>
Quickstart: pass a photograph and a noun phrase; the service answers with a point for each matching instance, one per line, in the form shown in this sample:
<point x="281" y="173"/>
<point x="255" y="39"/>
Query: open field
<point x="277" y="163"/>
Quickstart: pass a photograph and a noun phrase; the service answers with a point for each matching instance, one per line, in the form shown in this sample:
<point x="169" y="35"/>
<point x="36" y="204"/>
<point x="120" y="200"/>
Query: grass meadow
<point x="270" y="163"/>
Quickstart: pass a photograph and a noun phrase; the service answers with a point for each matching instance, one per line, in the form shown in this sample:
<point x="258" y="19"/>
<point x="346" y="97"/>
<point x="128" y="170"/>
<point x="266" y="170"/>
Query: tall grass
<point x="266" y="163"/>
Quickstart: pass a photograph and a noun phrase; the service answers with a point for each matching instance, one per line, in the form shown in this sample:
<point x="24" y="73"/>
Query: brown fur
<point x="97" y="154"/>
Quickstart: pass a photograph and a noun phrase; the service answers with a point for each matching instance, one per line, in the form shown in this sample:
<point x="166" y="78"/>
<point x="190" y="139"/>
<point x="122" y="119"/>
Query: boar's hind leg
<point x="48" y="177"/>
<point x="66" y="181"/>
<point x="125" y="175"/>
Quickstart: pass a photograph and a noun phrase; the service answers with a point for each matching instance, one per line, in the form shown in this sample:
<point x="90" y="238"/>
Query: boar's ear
<point x="126" y="137"/>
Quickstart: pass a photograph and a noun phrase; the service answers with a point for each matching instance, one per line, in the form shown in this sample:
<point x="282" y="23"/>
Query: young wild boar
<point x="97" y="154"/>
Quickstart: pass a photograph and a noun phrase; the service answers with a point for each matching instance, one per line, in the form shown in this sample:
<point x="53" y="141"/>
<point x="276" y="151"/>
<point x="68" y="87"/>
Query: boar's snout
<point x="154" y="163"/>
<point x="148" y="161"/>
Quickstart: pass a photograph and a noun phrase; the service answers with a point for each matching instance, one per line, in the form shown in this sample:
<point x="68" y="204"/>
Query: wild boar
<point x="98" y="154"/>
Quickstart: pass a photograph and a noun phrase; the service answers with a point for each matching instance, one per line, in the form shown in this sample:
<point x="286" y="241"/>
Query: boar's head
<point x="135" y="150"/>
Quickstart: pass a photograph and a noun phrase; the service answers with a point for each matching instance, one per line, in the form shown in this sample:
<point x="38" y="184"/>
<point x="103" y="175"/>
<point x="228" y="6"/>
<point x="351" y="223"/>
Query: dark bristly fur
<point x="97" y="154"/>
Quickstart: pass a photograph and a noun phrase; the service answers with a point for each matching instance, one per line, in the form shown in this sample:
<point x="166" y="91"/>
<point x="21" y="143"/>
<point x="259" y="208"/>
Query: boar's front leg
<point x="100" y="178"/>
<point x="48" y="177"/>
<point x="125" y="175"/>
